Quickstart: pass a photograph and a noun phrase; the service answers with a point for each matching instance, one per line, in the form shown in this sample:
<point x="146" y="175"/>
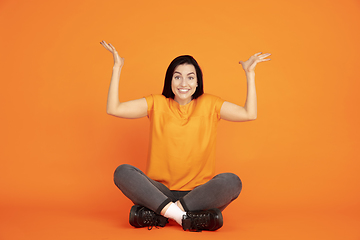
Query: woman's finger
<point x="112" y="47"/>
<point x="109" y="47"/>
<point x="105" y="45"/>
<point x="265" y="55"/>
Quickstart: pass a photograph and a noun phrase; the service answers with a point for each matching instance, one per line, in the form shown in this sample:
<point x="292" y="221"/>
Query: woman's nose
<point x="183" y="82"/>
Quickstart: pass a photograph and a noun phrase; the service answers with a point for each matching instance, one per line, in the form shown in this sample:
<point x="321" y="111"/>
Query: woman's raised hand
<point x="249" y="65"/>
<point x="118" y="61"/>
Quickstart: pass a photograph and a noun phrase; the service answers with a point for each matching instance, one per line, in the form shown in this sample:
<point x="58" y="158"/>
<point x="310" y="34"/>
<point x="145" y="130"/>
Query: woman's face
<point x="184" y="83"/>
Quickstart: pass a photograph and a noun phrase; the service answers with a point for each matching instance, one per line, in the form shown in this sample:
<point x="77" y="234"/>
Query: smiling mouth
<point x="183" y="90"/>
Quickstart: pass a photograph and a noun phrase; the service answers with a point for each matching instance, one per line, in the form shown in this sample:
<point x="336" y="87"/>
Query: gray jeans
<point x="219" y="192"/>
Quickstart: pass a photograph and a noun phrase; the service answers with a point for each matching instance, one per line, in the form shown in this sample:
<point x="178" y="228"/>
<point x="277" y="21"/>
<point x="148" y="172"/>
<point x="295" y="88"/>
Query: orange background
<point x="299" y="161"/>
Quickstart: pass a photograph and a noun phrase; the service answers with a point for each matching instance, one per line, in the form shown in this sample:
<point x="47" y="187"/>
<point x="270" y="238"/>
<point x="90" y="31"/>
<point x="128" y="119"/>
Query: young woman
<point x="179" y="183"/>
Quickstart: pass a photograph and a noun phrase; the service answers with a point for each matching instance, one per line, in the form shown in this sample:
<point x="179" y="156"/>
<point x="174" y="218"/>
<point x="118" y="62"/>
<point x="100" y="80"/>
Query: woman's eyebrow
<point x="181" y="74"/>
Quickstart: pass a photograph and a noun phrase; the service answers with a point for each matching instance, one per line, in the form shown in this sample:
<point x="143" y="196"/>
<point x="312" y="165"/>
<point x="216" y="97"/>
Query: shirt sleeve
<point x="218" y="104"/>
<point x="213" y="104"/>
<point x="150" y="103"/>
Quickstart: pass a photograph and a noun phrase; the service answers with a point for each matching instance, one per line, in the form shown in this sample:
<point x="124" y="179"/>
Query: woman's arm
<point x="232" y="112"/>
<point x="131" y="109"/>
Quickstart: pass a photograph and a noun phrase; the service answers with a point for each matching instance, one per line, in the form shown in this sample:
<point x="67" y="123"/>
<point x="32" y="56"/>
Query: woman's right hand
<point x="118" y="61"/>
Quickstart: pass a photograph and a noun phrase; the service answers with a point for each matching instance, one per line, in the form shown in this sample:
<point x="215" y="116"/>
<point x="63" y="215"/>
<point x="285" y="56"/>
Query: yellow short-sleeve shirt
<point x="182" y="140"/>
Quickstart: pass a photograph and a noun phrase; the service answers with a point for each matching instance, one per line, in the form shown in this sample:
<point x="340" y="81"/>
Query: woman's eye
<point x="177" y="77"/>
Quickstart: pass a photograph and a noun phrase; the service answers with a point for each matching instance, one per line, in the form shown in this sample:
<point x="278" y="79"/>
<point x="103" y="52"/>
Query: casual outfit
<point x="181" y="162"/>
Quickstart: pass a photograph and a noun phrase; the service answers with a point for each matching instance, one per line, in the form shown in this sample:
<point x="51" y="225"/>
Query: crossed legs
<point x="218" y="193"/>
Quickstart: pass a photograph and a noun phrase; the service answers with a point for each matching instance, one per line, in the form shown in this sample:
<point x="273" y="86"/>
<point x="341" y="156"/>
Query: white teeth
<point x="183" y="90"/>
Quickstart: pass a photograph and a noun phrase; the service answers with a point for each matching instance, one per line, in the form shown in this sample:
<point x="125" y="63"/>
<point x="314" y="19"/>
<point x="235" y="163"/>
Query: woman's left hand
<point x="249" y="65"/>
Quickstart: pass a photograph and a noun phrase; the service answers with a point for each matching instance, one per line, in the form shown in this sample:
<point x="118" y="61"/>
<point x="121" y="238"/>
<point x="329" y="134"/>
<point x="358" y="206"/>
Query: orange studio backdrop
<point x="59" y="148"/>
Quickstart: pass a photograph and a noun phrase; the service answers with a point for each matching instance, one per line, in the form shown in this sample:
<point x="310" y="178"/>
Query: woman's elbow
<point x="252" y="118"/>
<point x="110" y="111"/>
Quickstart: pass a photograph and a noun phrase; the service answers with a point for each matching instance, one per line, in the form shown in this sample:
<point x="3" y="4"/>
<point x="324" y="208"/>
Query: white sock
<point x="175" y="213"/>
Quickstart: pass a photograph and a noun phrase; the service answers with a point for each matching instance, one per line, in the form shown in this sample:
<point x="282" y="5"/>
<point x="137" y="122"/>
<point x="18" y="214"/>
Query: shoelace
<point x="154" y="223"/>
<point x="200" y="222"/>
<point x="151" y="220"/>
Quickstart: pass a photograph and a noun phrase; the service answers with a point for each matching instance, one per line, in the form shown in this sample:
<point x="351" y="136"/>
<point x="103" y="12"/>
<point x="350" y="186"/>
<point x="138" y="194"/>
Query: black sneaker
<point x="143" y="217"/>
<point x="210" y="220"/>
